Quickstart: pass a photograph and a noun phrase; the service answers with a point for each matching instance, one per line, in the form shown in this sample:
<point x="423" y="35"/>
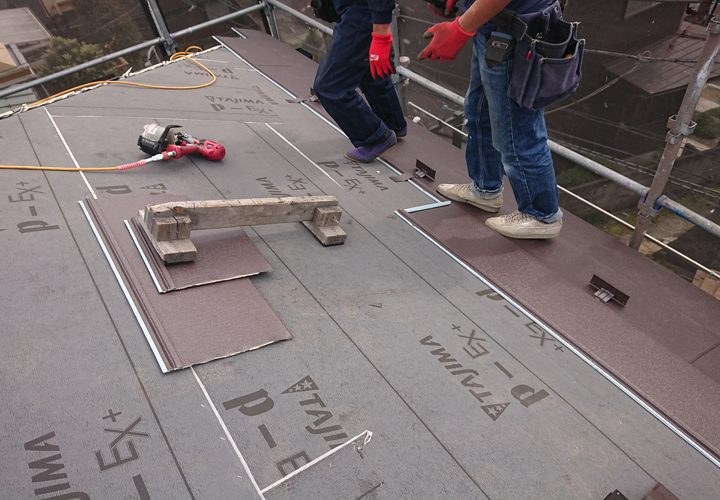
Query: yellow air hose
<point x="186" y="54"/>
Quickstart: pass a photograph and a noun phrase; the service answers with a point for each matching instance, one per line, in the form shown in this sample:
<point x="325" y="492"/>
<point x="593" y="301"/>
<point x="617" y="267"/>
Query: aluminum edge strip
<point x="606" y="374"/>
<point x="426" y="207"/>
<point x="366" y="436"/>
<point x="125" y="291"/>
<point x="228" y="434"/>
<point x="142" y="254"/>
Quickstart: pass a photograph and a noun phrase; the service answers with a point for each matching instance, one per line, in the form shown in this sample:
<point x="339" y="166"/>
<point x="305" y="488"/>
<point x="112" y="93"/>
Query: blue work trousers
<point x="503" y="137"/>
<point x="345" y="69"/>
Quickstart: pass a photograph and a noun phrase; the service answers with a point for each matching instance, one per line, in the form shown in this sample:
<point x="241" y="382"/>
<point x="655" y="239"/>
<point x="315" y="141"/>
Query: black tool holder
<point x="547" y="62"/>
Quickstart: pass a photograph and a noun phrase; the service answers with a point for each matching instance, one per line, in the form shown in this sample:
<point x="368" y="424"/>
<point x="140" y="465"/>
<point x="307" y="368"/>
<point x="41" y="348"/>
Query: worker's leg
<point x="484" y="162"/>
<point x="520" y="135"/>
<point x="380" y="94"/>
<point x="341" y="72"/>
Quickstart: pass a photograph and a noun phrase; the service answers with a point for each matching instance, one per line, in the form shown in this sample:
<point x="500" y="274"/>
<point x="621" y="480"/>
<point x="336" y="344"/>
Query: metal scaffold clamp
<point x="679" y="130"/>
<point x="713" y="26"/>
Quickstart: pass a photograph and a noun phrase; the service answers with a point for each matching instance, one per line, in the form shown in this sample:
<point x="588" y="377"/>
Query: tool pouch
<point x="547" y="63"/>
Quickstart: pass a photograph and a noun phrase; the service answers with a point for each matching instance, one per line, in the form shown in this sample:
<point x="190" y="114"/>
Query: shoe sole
<point x="546" y="236"/>
<point x="374" y="158"/>
<point x="487" y="208"/>
<point x="359" y="160"/>
<point x="527" y="236"/>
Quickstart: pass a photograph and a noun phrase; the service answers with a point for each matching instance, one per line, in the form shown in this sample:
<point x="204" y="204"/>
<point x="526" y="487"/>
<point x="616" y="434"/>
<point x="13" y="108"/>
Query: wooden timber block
<point x="166" y="225"/>
<point x="327" y="235"/>
<point x="326" y="216"/>
<point x="171" y="252"/>
<point x="219" y="214"/>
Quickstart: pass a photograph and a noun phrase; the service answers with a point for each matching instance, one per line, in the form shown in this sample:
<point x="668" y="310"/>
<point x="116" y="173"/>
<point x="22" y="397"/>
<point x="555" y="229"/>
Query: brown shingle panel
<point x="240" y="258"/>
<point x="190" y="326"/>
<point x="223" y="254"/>
<point x="648" y="344"/>
<point x="709" y="363"/>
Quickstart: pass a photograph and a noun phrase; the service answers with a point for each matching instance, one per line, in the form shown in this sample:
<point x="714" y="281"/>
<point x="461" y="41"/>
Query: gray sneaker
<point x="524" y="226"/>
<point x="466" y="194"/>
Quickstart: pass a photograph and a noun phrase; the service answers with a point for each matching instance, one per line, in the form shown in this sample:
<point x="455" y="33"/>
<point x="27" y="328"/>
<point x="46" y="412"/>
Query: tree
<point x="65" y="53"/>
<point x="110" y="24"/>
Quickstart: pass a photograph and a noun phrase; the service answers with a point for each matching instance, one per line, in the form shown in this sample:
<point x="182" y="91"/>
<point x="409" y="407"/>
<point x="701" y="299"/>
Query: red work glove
<point x="447" y="40"/>
<point x="379" y="55"/>
<point x="447" y="9"/>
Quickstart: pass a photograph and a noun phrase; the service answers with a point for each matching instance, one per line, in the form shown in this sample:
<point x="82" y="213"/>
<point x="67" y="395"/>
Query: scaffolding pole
<point x="680" y="126"/>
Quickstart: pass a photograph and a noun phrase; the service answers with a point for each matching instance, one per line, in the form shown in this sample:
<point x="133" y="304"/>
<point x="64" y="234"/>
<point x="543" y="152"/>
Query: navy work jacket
<point x="380" y="10"/>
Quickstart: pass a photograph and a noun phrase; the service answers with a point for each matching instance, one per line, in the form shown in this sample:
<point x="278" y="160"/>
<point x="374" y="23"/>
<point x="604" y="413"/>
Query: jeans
<point x="503" y="137"/>
<point x="344" y="69"/>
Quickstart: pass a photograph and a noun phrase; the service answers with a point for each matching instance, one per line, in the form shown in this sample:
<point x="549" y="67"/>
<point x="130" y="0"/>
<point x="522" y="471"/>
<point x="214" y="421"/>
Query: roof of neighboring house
<point x="13" y="67"/>
<point x="663" y="76"/>
<point x="16" y="100"/>
<point x="20" y="26"/>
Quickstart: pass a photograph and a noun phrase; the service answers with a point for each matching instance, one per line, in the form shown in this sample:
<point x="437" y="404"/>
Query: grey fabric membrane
<point x="379" y="326"/>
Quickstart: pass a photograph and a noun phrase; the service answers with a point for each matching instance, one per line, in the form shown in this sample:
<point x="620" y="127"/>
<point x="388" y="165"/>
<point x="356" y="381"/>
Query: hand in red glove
<point x="447" y="40"/>
<point x="444" y="8"/>
<point x="379" y="55"/>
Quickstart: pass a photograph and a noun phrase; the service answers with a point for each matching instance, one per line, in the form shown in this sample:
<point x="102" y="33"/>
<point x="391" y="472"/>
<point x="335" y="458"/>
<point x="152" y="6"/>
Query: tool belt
<point x="547" y="60"/>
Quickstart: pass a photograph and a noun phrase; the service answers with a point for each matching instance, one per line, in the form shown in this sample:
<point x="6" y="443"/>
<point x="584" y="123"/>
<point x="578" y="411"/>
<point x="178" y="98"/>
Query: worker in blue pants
<point x="359" y="57"/>
<point x="504" y="138"/>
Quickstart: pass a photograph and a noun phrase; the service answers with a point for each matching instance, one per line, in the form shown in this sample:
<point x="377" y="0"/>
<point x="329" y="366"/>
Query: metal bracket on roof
<point x="616" y="495"/>
<point x="422" y="171"/>
<point x="311" y="98"/>
<point x="606" y="292"/>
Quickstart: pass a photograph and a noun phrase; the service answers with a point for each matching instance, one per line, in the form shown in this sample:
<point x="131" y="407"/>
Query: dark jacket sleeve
<point x="381" y="11"/>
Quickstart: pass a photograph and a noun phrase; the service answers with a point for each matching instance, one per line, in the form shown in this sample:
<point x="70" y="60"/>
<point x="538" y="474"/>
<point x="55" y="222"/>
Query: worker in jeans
<point x="359" y="57"/>
<point x="503" y="137"/>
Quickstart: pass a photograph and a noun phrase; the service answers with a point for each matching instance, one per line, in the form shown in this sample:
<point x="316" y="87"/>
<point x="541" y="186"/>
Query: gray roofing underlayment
<point x="466" y="389"/>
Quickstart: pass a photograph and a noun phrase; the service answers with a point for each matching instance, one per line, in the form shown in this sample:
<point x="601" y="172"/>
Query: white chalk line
<point x="303" y="155"/>
<point x="72" y="156"/>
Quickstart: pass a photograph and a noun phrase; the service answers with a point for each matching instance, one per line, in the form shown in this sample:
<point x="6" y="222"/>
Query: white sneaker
<point x="466" y="194"/>
<point x="524" y="226"/>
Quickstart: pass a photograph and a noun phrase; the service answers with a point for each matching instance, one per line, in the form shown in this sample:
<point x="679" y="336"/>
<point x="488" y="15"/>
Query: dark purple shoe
<point x="401" y="133"/>
<point x="367" y="154"/>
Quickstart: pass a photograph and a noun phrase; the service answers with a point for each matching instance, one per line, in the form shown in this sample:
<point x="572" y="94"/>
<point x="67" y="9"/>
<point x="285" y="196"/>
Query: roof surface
<point x="466" y="396"/>
<point x="21" y="26"/>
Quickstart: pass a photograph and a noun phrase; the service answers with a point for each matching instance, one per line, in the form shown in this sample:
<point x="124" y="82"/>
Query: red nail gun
<point x="172" y="143"/>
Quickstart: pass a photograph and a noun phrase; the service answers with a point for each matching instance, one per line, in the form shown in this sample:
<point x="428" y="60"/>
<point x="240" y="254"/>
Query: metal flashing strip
<point x="124" y="289"/>
<point x="228" y="435"/>
<point x="305" y="105"/>
<point x="302" y="154"/>
<point x="72" y="156"/>
<point x="426" y="207"/>
<point x="571" y="347"/>
<point x="144" y="257"/>
<point x="365" y="436"/>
